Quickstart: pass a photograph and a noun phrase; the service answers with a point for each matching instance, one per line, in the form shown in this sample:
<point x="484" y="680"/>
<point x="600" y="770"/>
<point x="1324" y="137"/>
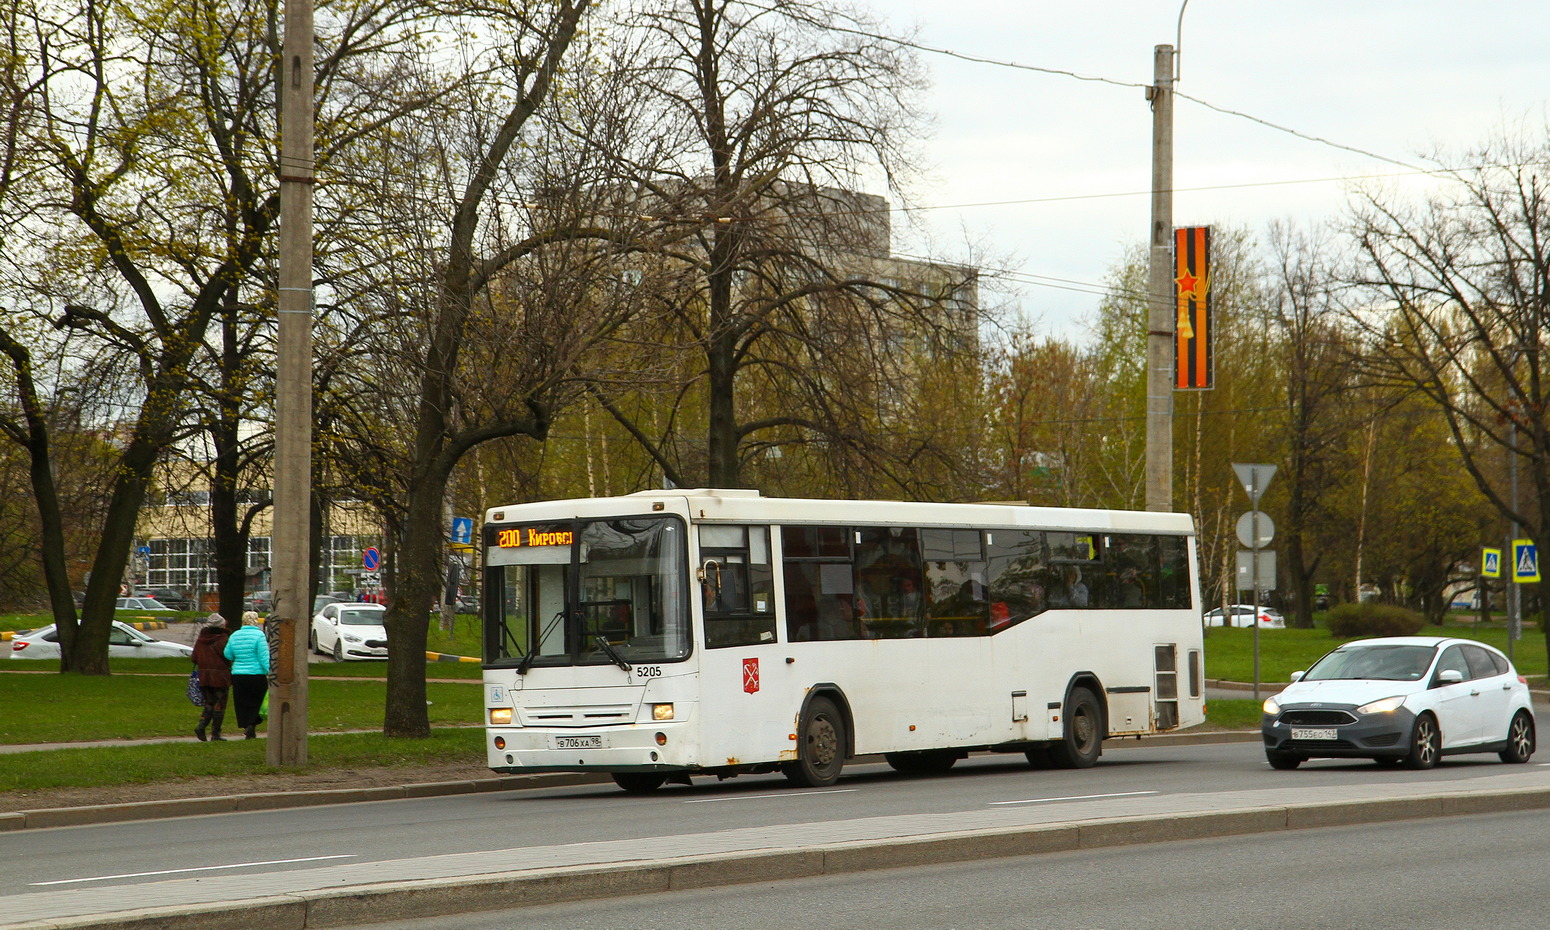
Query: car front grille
<point x="1317" y="718"/>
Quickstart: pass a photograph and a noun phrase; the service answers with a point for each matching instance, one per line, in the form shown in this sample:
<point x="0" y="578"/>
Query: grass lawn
<point x="1230" y="652"/>
<point x="128" y="765"/>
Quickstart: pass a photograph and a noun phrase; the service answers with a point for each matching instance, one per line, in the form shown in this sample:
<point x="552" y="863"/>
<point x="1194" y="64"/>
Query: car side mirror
<point x="1449" y="676"/>
<point x="1297" y="676"/>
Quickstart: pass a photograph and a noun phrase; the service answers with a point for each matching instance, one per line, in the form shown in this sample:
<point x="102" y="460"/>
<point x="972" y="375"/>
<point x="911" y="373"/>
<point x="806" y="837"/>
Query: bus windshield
<point x="588" y="592"/>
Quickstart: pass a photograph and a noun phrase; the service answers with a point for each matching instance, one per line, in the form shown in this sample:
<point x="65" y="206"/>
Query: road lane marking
<point x="1078" y="797"/>
<point x="755" y="797"/>
<point x="202" y="868"/>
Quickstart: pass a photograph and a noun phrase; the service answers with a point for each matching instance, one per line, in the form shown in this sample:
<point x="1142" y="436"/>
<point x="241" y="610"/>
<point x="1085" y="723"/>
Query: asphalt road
<point x="250" y="854"/>
<point x="1471" y="872"/>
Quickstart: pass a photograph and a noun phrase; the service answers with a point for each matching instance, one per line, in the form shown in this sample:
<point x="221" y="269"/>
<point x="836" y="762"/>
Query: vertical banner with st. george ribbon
<point x="1192" y="334"/>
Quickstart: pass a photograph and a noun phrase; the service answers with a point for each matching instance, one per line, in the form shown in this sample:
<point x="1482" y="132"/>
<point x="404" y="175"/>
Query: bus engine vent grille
<point x="589" y="715"/>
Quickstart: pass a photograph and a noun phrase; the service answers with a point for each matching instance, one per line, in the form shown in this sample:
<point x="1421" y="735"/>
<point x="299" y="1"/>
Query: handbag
<point x="195" y="696"/>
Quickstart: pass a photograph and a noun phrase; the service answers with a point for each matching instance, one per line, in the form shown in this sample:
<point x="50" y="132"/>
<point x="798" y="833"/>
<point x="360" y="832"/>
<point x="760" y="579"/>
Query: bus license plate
<point x="1322" y="733"/>
<point x="578" y="742"/>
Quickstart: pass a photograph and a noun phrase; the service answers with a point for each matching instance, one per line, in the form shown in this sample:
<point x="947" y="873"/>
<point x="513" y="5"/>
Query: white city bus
<point x="674" y="633"/>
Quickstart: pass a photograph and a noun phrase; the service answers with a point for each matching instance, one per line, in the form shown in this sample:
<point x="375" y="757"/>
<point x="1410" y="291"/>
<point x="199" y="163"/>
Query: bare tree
<point x="763" y="122"/>
<point x="1455" y="303"/>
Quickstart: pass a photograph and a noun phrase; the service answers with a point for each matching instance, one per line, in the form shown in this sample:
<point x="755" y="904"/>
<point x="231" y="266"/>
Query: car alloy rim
<point x="1426" y="741"/>
<point x="1522" y="742"/>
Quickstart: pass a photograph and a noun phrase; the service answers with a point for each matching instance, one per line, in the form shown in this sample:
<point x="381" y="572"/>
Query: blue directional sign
<point x="462" y="529"/>
<point x="1525" y="561"/>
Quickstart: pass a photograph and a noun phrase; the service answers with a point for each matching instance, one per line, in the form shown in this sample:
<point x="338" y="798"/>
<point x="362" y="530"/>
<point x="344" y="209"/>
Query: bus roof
<point x="733" y="505"/>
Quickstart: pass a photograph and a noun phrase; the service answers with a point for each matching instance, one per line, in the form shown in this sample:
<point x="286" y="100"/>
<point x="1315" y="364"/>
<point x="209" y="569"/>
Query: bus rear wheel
<point x="639" y="782"/>
<point x="1082" y="743"/>
<point x="926" y="762"/>
<point x="820" y="746"/>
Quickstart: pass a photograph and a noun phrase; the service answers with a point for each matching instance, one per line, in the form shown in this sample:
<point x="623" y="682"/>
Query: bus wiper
<point x="527" y="660"/>
<point x="613" y="653"/>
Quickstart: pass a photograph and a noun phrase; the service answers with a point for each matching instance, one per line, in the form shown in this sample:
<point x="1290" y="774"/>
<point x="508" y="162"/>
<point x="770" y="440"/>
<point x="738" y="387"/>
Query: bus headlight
<point x="661" y="712"/>
<point x="500" y="716"/>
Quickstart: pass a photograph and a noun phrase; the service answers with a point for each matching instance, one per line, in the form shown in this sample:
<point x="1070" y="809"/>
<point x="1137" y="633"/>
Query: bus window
<point x="820" y="589"/>
<point x="955" y="582"/>
<point x="736" y="585"/>
<point x="889" y="598"/>
<point x="1019" y="578"/>
<point x="1129" y="577"/>
<point x="1173" y="579"/>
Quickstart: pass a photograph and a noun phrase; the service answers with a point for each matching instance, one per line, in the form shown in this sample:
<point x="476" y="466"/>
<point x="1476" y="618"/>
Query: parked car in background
<point x="259" y="601"/>
<point x="142" y="604"/>
<point x="124" y="642"/>
<point x="323" y="600"/>
<point x="349" y="630"/>
<point x="1401" y="700"/>
<point x="1242" y="615"/>
<point x="467" y="604"/>
<point x="174" y="600"/>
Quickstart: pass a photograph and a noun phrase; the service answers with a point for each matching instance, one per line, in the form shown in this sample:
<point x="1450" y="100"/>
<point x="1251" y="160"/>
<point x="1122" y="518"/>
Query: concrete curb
<point x="445" y="897"/>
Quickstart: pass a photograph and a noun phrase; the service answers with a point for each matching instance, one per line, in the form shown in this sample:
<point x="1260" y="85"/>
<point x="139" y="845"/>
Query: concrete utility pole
<point x="1162" y="291"/>
<point x="293" y="393"/>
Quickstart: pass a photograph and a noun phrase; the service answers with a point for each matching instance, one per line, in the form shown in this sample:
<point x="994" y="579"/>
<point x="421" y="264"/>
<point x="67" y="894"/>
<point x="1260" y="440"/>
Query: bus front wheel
<point x="820" y="746"/>
<point x="1082" y="743"/>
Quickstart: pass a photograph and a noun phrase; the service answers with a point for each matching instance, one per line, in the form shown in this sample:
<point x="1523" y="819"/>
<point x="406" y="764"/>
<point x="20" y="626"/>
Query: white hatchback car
<point x="349" y="631"/>
<point x="1243" y="615"/>
<point x="124" y="642"/>
<point x="1401" y="699"/>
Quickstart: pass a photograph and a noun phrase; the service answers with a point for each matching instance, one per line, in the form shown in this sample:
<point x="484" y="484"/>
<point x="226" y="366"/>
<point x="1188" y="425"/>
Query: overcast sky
<point x="1391" y="77"/>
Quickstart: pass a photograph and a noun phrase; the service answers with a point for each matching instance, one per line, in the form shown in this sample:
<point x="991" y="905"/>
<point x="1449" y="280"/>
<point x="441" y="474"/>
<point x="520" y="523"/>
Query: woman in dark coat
<point x="214" y="675"/>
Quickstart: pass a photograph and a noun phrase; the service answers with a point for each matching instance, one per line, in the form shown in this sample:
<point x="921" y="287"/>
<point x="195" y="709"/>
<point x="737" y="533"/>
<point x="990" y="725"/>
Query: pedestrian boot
<point x="250" y="734"/>
<point x="199" y="732"/>
<point x="215" y="732"/>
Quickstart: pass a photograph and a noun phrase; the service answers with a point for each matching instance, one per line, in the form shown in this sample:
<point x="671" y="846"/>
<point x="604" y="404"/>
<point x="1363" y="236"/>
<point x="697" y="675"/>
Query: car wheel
<point x="338" y="651"/>
<point x="929" y="762"/>
<point x="1285" y="761"/>
<point x="312" y="642"/>
<point x="820" y="746"/>
<point x="639" y="782"/>
<point x="1425" y="743"/>
<point x="1520" y="739"/>
<point x="1082" y="743"/>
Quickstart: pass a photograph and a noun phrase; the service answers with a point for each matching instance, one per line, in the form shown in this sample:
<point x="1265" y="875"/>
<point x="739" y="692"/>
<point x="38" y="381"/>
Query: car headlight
<point x="351" y="638"/>
<point x="661" y="712"/>
<point x="1386" y="706"/>
<point x="1271" y="706"/>
<point x="500" y="716"/>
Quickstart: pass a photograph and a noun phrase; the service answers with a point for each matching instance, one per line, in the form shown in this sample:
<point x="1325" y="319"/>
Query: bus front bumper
<point x="606" y="749"/>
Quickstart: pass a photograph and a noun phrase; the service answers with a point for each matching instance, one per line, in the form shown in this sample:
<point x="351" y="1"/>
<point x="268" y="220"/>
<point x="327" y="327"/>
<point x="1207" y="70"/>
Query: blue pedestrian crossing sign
<point x="1525" y="561"/>
<point x="1490" y="562"/>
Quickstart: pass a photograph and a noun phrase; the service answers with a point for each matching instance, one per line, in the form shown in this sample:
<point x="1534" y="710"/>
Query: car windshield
<point x="361" y="616"/>
<point x="1389" y="662"/>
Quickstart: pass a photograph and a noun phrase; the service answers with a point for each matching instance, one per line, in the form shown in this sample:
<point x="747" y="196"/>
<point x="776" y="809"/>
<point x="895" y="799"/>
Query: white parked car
<point x="142" y="604"/>
<point x="1243" y="615"/>
<point x="1401" y="699"/>
<point x="349" y="631"/>
<point x="124" y="642"/>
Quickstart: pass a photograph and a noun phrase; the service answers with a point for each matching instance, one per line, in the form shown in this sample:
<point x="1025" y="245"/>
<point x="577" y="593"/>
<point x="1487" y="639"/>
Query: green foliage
<point x="1370" y="619"/>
